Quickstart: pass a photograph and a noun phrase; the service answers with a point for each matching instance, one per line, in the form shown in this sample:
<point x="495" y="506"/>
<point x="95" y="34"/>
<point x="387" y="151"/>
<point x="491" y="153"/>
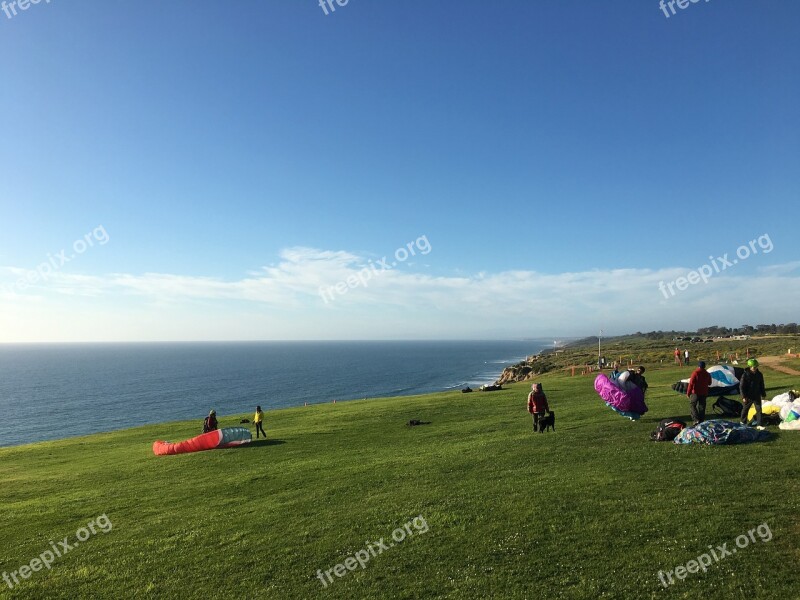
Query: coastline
<point x="181" y="426"/>
<point x="85" y="389"/>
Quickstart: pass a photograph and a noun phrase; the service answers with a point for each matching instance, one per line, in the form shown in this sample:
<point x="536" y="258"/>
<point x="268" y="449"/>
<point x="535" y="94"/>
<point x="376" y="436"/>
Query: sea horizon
<point x="62" y="389"/>
<point x="282" y="341"/>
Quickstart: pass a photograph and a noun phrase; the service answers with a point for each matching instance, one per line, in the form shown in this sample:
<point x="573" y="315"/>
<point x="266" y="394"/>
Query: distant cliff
<point x="529" y="368"/>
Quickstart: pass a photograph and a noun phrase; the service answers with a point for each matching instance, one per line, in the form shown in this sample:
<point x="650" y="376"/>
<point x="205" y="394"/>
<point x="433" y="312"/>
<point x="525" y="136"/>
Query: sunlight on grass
<point x="593" y="510"/>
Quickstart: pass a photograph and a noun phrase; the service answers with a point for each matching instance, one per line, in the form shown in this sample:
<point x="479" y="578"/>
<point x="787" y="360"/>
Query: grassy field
<point x="792" y="363"/>
<point x="593" y="510"/>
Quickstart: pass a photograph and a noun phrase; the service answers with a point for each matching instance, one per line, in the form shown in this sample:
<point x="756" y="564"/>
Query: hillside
<point x="651" y="352"/>
<point x="593" y="510"/>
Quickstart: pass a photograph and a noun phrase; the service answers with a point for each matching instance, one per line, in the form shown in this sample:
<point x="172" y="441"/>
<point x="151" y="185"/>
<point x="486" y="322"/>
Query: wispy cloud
<point x="784" y="269"/>
<point x="410" y="300"/>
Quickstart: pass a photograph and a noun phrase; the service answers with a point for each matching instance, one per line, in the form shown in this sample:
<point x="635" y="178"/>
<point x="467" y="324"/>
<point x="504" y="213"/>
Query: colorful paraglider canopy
<point x="724" y="380"/>
<point x="623" y="396"/>
<point x="719" y="431"/>
<point x="219" y="438"/>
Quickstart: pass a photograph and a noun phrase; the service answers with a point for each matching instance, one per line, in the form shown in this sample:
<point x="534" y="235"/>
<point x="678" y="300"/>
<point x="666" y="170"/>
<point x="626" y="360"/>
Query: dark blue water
<point x="62" y="390"/>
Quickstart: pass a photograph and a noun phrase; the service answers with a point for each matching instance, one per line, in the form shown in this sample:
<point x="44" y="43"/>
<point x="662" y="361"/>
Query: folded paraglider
<point x="219" y="438"/>
<point x="719" y="431"/>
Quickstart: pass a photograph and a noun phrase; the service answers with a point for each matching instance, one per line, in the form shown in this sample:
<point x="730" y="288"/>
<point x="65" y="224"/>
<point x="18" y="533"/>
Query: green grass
<point x="594" y="510"/>
<point x="792" y="363"/>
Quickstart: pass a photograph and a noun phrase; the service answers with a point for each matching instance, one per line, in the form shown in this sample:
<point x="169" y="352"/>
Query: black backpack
<point x="727" y="407"/>
<point x="667" y="430"/>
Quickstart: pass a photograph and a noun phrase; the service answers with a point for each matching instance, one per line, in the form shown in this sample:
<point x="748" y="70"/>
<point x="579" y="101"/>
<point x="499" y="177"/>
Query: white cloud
<point x="783" y="269"/>
<point x="282" y="301"/>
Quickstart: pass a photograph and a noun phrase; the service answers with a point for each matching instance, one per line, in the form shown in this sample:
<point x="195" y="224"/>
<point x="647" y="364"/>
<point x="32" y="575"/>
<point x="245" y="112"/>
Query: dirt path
<point x="773" y="362"/>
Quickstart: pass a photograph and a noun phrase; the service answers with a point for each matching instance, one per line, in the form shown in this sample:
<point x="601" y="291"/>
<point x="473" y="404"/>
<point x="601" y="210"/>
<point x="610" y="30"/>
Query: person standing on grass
<point x="537" y="404"/>
<point x="686" y="357"/>
<point x="751" y="386"/>
<point x="258" y="419"/>
<point x="677" y="354"/>
<point x="698" y="392"/>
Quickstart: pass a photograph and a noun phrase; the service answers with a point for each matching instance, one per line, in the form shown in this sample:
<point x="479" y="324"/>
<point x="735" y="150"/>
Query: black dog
<point x="244" y="421"/>
<point x="548" y="421"/>
<point x="415" y="422"/>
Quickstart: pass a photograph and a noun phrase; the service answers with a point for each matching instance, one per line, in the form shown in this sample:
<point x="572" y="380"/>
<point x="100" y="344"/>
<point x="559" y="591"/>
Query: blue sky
<point x="559" y="159"/>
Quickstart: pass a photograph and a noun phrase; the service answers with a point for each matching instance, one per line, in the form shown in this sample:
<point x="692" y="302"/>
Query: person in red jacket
<point x="537" y="404"/>
<point x="698" y="392"/>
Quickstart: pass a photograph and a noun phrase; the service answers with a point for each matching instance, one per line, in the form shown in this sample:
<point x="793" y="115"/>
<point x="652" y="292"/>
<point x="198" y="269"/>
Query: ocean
<point x="53" y="391"/>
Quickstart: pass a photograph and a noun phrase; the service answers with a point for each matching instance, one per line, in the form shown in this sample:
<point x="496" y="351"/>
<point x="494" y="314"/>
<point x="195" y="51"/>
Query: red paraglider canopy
<point x="220" y="438"/>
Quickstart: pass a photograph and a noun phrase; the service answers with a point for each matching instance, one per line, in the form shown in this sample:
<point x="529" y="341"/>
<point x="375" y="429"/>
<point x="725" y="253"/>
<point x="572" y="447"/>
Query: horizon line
<point x="240" y="341"/>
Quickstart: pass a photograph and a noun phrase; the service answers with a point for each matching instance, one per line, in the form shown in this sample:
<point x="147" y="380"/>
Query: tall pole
<point x="598" y="348"/>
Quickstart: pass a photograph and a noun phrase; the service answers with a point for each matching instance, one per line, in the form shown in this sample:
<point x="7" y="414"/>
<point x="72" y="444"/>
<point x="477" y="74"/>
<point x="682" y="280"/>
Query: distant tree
<point x="714" y="330"/>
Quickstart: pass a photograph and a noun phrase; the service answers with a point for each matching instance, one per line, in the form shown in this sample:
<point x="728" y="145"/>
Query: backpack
<point x="667" y="430"/>
<point x="727" y="407"/>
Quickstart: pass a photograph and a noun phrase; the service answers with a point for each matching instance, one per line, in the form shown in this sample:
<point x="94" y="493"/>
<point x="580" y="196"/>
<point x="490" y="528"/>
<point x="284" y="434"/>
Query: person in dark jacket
<point x="210" y="422"/>
<point x="698" y="392"/>
<point x="751" y="386"/>
<point x="637" y="378"/>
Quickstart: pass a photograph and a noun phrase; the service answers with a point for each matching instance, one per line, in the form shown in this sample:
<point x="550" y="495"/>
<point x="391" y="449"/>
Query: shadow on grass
<point x="259" y="443"/>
